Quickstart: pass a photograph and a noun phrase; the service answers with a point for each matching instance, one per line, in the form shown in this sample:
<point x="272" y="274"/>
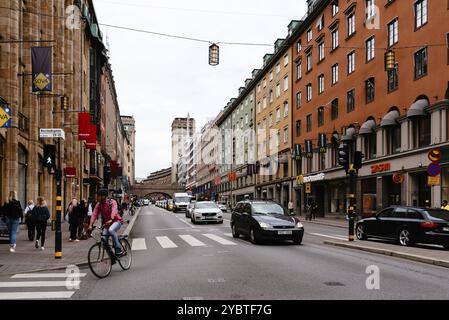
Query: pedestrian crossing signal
<point x="49" y="156"/>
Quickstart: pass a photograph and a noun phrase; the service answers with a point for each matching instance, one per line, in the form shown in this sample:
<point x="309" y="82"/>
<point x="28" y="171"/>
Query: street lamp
<point x="214" y="55"/>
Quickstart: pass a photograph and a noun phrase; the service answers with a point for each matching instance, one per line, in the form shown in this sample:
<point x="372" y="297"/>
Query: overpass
<point x="157" y="186"/>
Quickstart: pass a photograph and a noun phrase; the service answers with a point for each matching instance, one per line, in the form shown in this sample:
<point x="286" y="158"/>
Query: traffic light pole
<point x="352" y="205"/>
<point x="58" y="233"/>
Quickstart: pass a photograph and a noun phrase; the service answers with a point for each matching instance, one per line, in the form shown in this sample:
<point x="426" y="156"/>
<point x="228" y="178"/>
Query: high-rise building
<point x="183" y="130"/>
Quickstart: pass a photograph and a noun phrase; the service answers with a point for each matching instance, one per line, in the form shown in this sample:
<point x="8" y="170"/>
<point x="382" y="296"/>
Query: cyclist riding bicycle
<point x="108" y="209"/>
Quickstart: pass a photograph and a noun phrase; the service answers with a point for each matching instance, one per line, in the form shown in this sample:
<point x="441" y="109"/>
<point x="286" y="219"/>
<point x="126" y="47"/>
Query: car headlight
<point x="299" y="225"/>
<point x="264" y="225"/>
<point x="198" y="214"/>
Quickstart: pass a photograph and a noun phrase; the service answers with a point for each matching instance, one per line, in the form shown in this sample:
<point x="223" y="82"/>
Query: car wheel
<point x="360" y="232"/>
<point x="234" y="232"/>
<point x="405" y="238"/>
<point x="446" y="246"/>
<point x="298" y="240"/>
<point x="253" y="236"/>
<point x="193" y="220"/>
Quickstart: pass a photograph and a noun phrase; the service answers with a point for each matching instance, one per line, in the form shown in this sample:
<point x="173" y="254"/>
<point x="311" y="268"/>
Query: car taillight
<point x="429" y="225"/>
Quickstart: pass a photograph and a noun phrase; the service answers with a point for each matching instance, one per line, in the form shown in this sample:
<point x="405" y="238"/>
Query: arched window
<point x="369" y="142"/>
<point x="420" y="122"/>
<point x="23" y="167"/>
<point x="392" y="131"/>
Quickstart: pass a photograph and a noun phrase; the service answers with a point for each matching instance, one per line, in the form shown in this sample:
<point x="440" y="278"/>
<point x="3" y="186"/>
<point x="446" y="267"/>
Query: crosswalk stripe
<point x="139" y="244"/>
<point x="219" y="239"/>
<point x="166" y="243"/>
<point x="47" y="275"/>
<point x="228" y="234"/>
<point x="40" y="284"/>
<point x="36" y="295"/>
<point x="192" y="241"/>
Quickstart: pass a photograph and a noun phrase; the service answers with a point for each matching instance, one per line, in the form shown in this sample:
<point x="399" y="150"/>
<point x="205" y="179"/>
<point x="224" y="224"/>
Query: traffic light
<point x="358" y="157"/>
<point x="49" y="156"/>
<point x="64" y="103"/>
<point x="343" y="156"/>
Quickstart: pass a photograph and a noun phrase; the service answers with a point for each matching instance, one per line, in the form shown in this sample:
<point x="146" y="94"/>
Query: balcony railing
<point x="24" y="124"/>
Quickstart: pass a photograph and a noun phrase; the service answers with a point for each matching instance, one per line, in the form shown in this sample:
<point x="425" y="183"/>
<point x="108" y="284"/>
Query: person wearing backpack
<point x="40" y="214"/>
<point x="13" y="212"/>
<point x="29" y="220"/>
<point x="73" y="220"/>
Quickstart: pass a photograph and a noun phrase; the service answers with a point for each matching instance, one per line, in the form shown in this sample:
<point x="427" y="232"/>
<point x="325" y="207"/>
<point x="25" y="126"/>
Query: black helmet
<point x="102" y="192"/>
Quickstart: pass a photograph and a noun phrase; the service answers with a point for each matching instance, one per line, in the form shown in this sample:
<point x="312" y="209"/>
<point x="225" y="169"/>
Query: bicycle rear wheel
<point x="100" y="262"/>
<point x="126" y="259"/>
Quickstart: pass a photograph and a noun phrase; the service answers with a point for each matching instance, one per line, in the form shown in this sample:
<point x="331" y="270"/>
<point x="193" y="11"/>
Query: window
<point x="285" y="83"/>
<point x="393" y="79"/>
<point x="309" y="92"/>
<point x="298" y="128"/>
<point x="351" y="62"/>
<point x="370" y="9"/>
<point x="271" y="76"/>
<point x="421" y="63"/>
<point x="270" y="120"/>
<point x="393" y="139"/>
<point x="264" y="123"/>
<point x="258" y="107"/>
<point x="286" y="60"/>
<point x="334" y="73"/>
<point x="278" y="90"/>
<point x="299" y="46"/>
<point x="271" y="96"/>
<point x="321" y="51"/>
<point x="278" y="138"/>
<point x="285" y="135"/>
<point x="278" y="115"/>
<point x="320" y="116"/>
<point x="370" y="49"/>
<point x="320" y="23"/>
<point x="334" y="8"/>
<point x="369" y="90"/>
<point x="246" y="119"/>
<point x="298" y="100"/>
<point x="309" y="60"/>
<point x="278" y="68"/>
<point x="285" y="109"/>
<point x="421" y="132"/>
<point x="270" y="142"/>
<point x="320" y="83"/>
<point x="370" y="146"/>
<point x="393" y="32"/>
<point x="299" y="71"/>
<point x="350" y="98"/>
<point x="264" y="103"/>
<point x="335" y="39"/>
<point x="334" y="109"/>
<point x="351" y="24"/>
<point x="258" y="88"/>
<point x="264" y="83"/>
<point x="309" y="122"/>
<point x="309" y="35"/>
<point x="420" y="13"/>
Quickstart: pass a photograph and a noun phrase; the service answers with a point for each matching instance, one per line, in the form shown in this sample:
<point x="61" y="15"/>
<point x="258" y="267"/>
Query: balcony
<point x="24" y="124"/>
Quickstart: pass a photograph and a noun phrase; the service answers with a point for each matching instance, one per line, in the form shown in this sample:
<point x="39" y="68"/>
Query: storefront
<point x="369" y="196"/>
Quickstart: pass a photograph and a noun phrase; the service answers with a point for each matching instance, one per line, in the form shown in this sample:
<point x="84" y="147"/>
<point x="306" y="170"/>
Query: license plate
<point x="446" y="229"/>
<point x="284" y="232"/>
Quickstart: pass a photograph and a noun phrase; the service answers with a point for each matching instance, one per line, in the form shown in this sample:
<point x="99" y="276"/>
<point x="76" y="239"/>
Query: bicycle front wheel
<point x="100" y="262"/>
<point x="126" y="259"/>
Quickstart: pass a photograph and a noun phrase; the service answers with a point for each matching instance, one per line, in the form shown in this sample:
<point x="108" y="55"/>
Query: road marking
<point x="139" y="244"/>
<point x="327" y="236"/>
<point x="228" y="234"/>
<point x="47" y="275"/>
<point x="220" y="240"/>
<point x="182" y="220"/>
<point x="168" y="229"/>
<point x="227" y="220"/>
<point x="148" y="214"/>
<point x="192" y="241"/>
<point x="36" y="295"/>
<point x="34" y="284"/>
<point x="193" y="298"/>
<point x="165" y="242"/>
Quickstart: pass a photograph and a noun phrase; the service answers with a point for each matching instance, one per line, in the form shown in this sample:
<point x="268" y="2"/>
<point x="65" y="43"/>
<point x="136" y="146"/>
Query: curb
<point x="326" y="224"/>
<point x="397" y="254"/>
<point x="131" y="224"/>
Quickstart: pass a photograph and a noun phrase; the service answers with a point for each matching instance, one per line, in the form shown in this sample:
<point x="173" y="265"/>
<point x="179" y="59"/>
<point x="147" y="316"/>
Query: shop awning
<point x="390" y="119"/>
<point x="349" y="135"/>
<point x="367" y="127"/>
<point x="417" y="109"/>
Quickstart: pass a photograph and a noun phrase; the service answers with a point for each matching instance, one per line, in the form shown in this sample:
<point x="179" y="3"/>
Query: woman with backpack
<point x="40" y="215"/>
<point x="12" y="210"/>
<point x="73" y="220"/>
<point x="29" y="220"/>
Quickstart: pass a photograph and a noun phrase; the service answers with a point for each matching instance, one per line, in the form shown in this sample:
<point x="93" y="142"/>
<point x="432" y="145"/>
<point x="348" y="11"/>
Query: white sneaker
<point x="77" y="240"/>
<point x="12" y="249"/>
<point x="42" y="248"/>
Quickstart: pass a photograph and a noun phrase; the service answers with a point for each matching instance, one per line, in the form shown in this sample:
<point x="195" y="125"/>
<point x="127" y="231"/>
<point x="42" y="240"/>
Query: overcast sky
<point x="160" y="78"/>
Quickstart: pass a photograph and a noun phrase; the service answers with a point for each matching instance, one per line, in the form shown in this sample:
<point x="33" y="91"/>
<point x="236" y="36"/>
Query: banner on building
<point x="83" y="126"/>
<point x="42" y="61"/>
<point x="91" y="140"/>
<point x="70" y="172"/>
<point x="217" y="181"/>
<point x="297" y="152"/>
<point x="114" y="168"/>
<point x="322" y="142"/>
<point x="309" y="148"/>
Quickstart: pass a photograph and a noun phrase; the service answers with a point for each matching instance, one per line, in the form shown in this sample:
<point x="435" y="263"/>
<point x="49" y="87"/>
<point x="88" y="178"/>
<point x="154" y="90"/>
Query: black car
<point x="265" y="220"/>
<point x="407" y="226"/>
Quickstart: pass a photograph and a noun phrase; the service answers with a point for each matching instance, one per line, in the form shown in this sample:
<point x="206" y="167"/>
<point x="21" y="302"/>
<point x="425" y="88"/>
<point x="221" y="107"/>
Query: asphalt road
<point x="175" y="260"/>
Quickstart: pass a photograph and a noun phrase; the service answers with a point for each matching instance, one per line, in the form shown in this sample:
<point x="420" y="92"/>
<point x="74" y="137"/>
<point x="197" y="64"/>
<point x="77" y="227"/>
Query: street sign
<point x="434" y="181"/>
<point x="435" y="155"/>
<point x="434" y="170"/>
<point x="5" y="116"/>
<point x="308" y="188"/>
<point x="52" y="133"/>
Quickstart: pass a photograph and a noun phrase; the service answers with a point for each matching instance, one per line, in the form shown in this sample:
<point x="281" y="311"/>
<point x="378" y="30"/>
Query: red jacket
<point x="108" y="210"/>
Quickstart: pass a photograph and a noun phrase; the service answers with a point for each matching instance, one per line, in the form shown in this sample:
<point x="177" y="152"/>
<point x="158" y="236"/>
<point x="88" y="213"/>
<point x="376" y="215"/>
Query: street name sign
<point x="52" y="133"/>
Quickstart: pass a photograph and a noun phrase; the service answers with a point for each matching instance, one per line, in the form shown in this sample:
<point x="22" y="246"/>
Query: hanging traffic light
<point x="49" y="156"/>
<point x="214" y="55"/>
<point x="358" y="157"/>
<point x="64" y="103"/>
<point x="343" y="155"/>
<point x="390" y="60"/>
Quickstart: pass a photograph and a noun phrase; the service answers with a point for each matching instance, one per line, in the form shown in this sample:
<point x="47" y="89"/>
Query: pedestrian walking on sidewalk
<point x="313" y="211"/>
<point x="290" y="207"/>
<point x="40" y="215"/>
<point x="445" y="205"/>
<point x="29" y="220"/>
<point x="13" y="212"/>
<point x="72" y="219"/>
<point x="80" y="214"/>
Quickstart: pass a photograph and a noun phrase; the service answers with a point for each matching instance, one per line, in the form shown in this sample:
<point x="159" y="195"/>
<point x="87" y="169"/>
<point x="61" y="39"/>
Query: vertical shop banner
<point x="83" y="125"/>
<point x="42" y="63"/>
<point x="91" y="140"/>
<point x="309" y="148"/>
<point x="322" y="142"/>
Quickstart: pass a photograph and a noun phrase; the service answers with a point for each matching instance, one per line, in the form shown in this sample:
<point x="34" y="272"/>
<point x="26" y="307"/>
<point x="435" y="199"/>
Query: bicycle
<point x="101" y="255"/>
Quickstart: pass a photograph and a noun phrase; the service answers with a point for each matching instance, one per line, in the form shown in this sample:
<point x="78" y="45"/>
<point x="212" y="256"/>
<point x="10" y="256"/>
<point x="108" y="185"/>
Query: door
<point x="237" y="217"/>
<point x="398" y="219"/>
<point x="246" y="218"/>
<point x="376" y="226"/>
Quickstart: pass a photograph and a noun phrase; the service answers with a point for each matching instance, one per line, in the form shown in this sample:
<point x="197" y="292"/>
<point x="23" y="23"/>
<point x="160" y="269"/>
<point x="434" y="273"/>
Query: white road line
<point x="166" y="243"/>
<point x="36" y="295"/>
<point x="168" y="229"/>
<point x="219" y="239"/>
<point x="192" y="241"/>
<point x="327" y="236"/>
<point x="47" y="275"/>
<point x="139" y="244"/>
<point x="147" y="214"/>
<point x="228" y="234"/>
<point x="37" y="284"/>
<point x="182" y="220"/>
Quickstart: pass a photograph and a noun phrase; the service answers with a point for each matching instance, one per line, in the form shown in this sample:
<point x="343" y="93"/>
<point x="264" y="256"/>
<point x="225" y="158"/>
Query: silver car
<point x="206" y="211"/>
<point x="189" y="210"/>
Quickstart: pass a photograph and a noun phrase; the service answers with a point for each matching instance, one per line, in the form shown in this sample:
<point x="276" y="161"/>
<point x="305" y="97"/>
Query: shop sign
<point x="300" y="180"/>
<point x="380" y="168"/>
<point x="308" y="188"/>
<point x="435" y="155"/>
<point x="398" y="178"/>
<point x="434" y="181"/>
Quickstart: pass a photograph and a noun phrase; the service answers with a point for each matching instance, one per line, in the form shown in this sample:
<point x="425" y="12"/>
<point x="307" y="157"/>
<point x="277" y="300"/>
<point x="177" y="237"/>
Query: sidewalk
<point x="328" y="221"/>
<point x="29" y="259"/>
<point x="434" y="255"/>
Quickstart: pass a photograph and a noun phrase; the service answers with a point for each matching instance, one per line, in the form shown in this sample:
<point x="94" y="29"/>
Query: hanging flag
<point x="114" y="168"/>
<point x="83" y="125"/>
<point x="309" y="148"/>
<point x="91" y="139"/>
<point x="322" y="143"/>
<point x="298" y="152"/>
<point x="42" y="63"/>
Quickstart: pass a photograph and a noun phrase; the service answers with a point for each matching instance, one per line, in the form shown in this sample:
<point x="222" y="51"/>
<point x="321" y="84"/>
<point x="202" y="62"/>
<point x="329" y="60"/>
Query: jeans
<point x="112" y="231"/>
<point x="41" y="227"/>
<point x="13" y="224"/>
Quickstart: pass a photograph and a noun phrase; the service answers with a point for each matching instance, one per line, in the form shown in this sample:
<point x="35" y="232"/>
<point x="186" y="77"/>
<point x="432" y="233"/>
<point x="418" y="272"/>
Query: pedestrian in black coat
<point x="40" y="215"/>
<point x="13" y="212"/>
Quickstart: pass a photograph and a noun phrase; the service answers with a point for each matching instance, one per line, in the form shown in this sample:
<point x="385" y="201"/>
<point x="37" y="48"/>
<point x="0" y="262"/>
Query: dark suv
<point x="263" y="220"/>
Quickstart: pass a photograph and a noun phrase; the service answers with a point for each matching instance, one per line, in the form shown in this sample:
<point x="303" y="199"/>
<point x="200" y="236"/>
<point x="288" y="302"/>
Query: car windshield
<point x="182" y="199"/>
<point x="268" y="209"/>
<point x="206" y="206"/>
<point x="439" y="214"/>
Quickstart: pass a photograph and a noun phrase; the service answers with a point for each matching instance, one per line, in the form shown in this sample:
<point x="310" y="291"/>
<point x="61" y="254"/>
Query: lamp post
<point x="214" y="55"/>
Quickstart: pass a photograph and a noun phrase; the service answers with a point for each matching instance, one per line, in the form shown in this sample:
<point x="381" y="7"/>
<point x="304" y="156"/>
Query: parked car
<point x="189" y="210"/>
<point x="170" y="205"/>
<point x="146" y="202"/>
<point x="206" y="211"/>
<point x="407" y="226"/>
<point x="265" y="220"/>
<point x="223" y="207"/>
